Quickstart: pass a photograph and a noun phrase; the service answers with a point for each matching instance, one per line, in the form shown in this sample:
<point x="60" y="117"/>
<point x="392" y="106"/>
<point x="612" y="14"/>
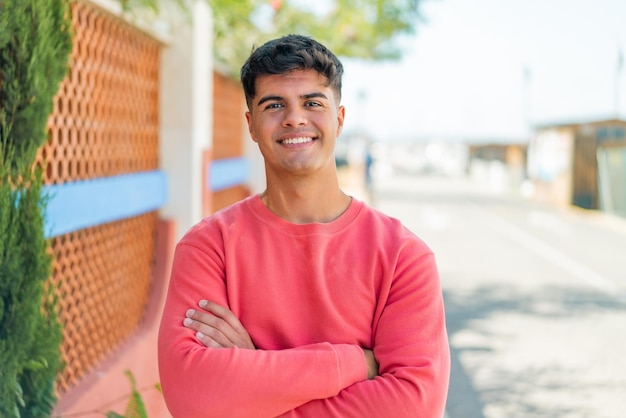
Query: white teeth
<point x="297" y="140"/>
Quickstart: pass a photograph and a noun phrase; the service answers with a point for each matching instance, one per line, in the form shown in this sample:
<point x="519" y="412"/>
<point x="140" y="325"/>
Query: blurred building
<point x="137" y="153"/>
<point x="580" y="163"/>
<point x="499" y="164"/>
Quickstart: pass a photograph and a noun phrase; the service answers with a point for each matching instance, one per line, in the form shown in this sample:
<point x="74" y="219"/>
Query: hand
<point x="218" y="327"/>
<point x="372" y="364"/>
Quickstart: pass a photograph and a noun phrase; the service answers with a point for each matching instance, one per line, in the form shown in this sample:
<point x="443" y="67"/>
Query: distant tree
<point x="353" y="28"/>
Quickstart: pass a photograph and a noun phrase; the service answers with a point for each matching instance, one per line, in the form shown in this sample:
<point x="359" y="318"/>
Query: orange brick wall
<point x="104" y="123"/>
<point x="228" y="117"/>
<point x="223" y="198"/>
<point x="228" y="135"/>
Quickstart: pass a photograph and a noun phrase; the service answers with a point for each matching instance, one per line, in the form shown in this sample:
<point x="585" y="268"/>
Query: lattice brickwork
<point x="228" y="128"/>
<point x="104" y="123"/>
<point x="227" y="197"/>
<point x="102" y="275"/>
<point x="228" y="117"/>
<point x="105" y="119"/>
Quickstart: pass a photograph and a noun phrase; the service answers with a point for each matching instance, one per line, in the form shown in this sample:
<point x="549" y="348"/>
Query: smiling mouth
<point x="301" y="140"/>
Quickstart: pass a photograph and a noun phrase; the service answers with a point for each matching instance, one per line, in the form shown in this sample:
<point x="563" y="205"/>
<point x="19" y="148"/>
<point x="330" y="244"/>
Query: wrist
<point x="372" y="364"/>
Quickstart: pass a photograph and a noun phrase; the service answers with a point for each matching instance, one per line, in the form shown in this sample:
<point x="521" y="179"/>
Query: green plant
<point x="35" y="42"/>
<point x="135" y="407"/>
<point x="30" y="334"/>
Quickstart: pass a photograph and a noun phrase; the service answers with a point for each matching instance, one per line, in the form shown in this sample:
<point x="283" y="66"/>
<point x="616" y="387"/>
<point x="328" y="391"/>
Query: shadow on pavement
<point x="465" y="309"/>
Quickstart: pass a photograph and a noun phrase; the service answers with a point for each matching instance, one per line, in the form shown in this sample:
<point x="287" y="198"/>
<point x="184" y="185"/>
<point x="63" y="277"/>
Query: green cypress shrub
<point x="30" y="334"/>
<point x="35" y="42"/>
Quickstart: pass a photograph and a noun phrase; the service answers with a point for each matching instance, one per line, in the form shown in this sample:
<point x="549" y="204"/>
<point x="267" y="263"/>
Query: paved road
<point x="535" y="299"/>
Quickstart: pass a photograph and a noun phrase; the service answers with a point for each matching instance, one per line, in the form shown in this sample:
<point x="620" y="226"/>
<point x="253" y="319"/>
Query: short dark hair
<point x="289" y="53"/>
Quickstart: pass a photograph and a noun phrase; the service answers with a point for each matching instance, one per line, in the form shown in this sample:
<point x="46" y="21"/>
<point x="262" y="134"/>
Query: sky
<point x="493" y="69"/>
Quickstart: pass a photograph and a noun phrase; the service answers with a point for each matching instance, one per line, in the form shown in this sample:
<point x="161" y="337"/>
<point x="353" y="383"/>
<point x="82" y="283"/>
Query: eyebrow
<point x="313" y="95"/>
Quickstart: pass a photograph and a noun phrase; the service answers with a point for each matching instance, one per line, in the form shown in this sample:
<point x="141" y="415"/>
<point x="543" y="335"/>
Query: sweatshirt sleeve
<point x="411" y="346"/>
<point x="205" y="382"/>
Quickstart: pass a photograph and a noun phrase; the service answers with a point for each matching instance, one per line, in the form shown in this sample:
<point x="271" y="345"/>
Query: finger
<point x="208" y="341"/>
<point x="214" y="326"/>
<point x="208" y="334"/>
<point x="222" y="312"/>
<point x="232" y="328"/>
<point x="219" y="330"/>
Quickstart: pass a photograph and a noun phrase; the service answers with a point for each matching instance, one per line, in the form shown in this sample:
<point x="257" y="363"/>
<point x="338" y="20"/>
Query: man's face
<point x="295" y="119"/>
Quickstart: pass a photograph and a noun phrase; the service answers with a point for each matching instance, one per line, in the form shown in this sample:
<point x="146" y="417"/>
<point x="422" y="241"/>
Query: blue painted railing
<point x="81" y="204"/>
<point x="228" y="172"/>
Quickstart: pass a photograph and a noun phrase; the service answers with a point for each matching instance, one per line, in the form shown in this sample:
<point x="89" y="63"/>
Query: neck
<point x="303" y="202"/>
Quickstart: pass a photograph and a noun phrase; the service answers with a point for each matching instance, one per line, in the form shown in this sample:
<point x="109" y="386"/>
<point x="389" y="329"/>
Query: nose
<point x="294" y="116"/>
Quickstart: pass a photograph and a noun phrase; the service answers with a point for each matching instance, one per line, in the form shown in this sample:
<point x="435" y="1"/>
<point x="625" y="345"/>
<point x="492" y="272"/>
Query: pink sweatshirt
<point x="310" y="297"/>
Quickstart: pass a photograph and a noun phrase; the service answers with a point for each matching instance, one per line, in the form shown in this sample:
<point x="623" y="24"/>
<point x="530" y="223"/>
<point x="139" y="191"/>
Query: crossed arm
<point x="214" y="369"/>
<point x="217" y="327"/>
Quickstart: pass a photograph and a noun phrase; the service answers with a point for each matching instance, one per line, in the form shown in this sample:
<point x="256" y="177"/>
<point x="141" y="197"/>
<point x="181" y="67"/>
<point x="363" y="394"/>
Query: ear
<point x="250" y="129"/>
<point x="341" y="113"/>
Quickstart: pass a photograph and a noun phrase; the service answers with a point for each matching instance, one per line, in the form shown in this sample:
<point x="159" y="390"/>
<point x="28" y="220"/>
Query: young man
<point x="302" y="301"/>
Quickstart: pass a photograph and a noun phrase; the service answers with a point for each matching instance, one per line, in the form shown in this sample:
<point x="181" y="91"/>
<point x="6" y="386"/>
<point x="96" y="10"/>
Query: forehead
<point x="293" y="80"/>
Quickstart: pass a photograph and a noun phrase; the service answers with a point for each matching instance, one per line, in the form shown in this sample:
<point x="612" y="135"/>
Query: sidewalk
<point x="528" y="338"/>
<point x="523" y="332"/>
